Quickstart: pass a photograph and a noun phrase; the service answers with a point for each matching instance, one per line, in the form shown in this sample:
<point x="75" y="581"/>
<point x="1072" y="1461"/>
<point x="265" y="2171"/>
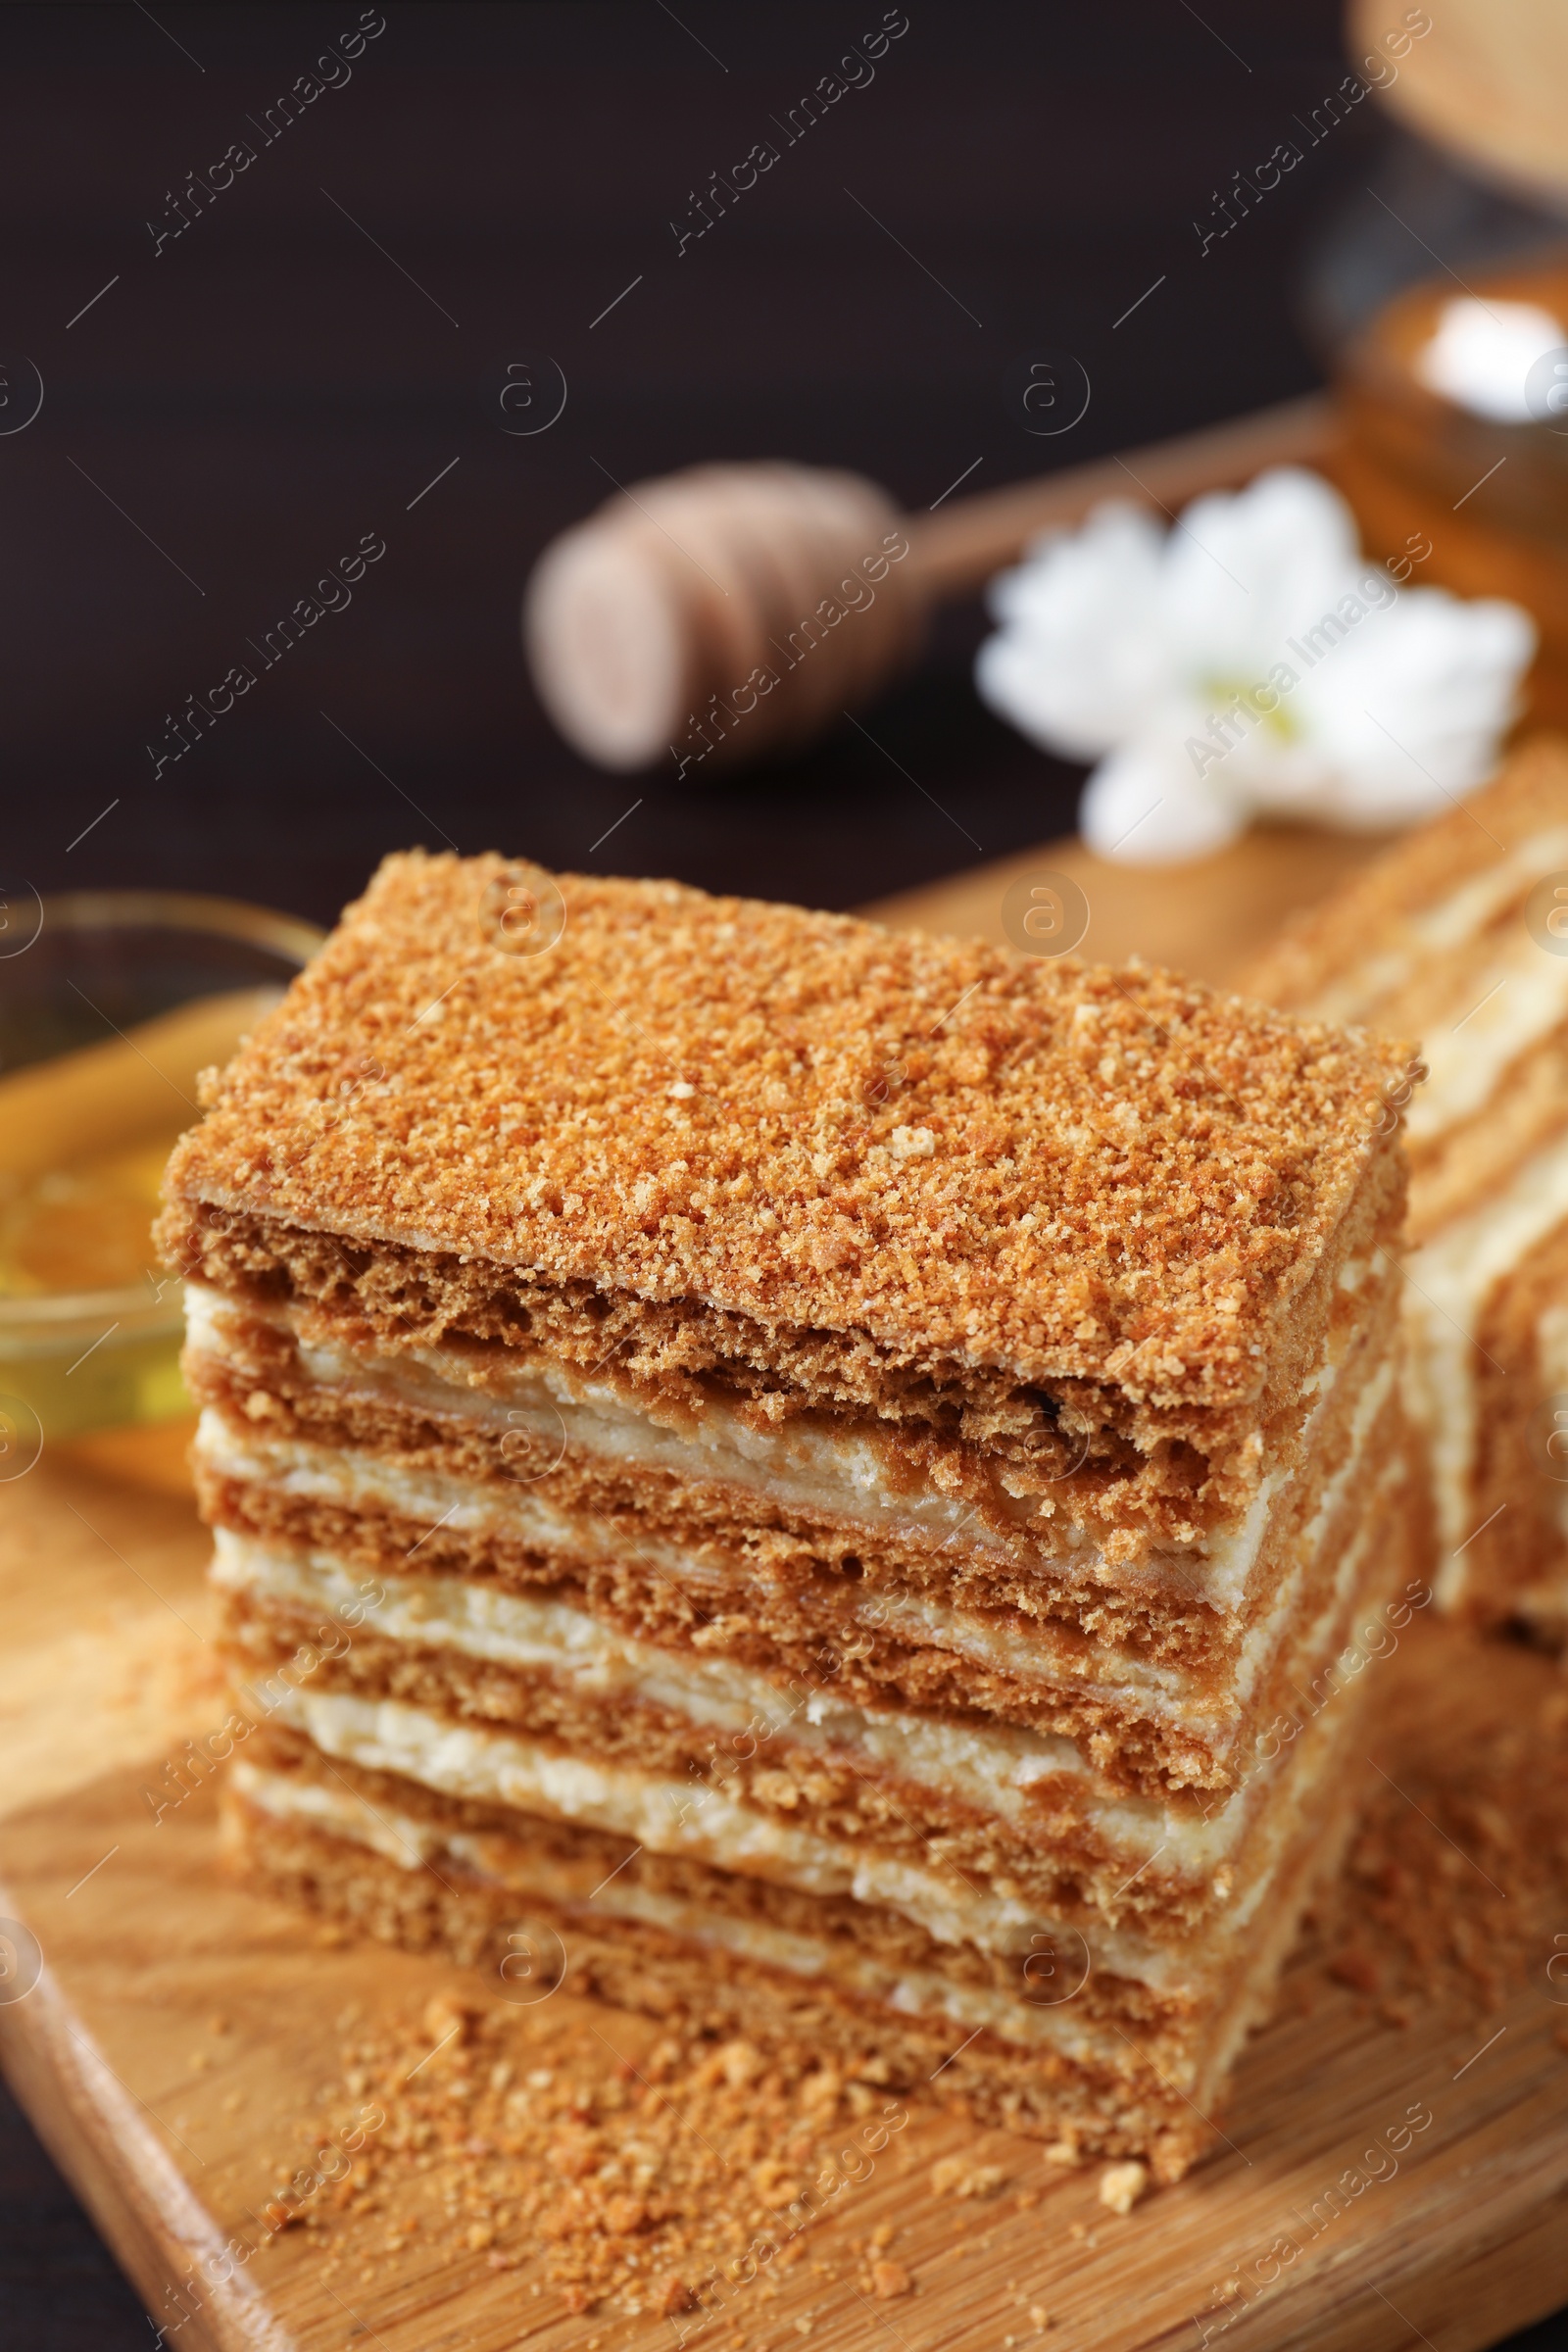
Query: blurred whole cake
<point x="1458" y="936"/>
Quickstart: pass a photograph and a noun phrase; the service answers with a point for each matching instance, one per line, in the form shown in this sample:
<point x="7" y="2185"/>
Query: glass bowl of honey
<point x="111" y="1003"/>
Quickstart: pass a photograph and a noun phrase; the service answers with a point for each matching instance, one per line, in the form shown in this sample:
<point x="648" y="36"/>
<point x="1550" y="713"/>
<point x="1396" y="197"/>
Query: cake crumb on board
<point x="650" y="2170"/>
<point x="962" y="2177"/>
<point x="1121" y="2185"/>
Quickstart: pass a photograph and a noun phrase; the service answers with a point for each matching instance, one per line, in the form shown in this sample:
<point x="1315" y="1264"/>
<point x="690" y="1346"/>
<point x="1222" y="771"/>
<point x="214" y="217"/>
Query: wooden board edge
<point x="161" y="2234"/>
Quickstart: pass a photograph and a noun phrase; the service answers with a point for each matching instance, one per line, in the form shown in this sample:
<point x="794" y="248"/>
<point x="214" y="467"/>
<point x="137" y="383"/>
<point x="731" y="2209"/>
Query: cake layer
<point x="720" y="1558"/>
<point x="530" y="1414"/>
<point x="1040" y="2038"/>
<point x="1470" y="976"/>
<point x="712" y="1982"/>
<point x="1041" y="1469"/>
<point x="904" y="1173"/>
<point x="412" y="1787"/>
<point x="866" y="1946"/>
<point x="1438" y="940"/>
<point x="532" y="1702"/>
<point x="1516" y="1563"/>
<point x="1158" y="1720"/>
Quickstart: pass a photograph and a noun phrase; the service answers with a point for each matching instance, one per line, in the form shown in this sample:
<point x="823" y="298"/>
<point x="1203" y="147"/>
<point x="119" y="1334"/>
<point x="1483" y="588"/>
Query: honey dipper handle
<point x="957" y="548"/>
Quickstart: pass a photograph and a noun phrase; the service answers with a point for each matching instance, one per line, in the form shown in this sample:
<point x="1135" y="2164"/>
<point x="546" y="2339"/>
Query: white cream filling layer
<point x="852" y="1474"/>
<point x="664" y="1815"/>
<point x="1013" y="1645"/>
<point x="1450" y="1281"/>
<point x="1546" y="1603"/>
<point x="1263" y="1644"/>
<point x="993" y="1768"/>
<point x="669" y="1817"/>
<point x="988" y="1638"/>
<point x="1450" y="922"/>
<point x="856" y="1475"/>
<point x="1053" y="1961"/>
<point x="1030" y="2017"/>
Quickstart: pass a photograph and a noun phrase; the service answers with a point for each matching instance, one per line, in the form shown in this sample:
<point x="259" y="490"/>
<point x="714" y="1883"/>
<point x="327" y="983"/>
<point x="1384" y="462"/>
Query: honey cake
<point x="1458" y="936"/>
<point x="806" y="1468"/>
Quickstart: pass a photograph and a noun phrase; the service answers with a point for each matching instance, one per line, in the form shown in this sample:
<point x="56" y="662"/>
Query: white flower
<point x="1247" y="659"/>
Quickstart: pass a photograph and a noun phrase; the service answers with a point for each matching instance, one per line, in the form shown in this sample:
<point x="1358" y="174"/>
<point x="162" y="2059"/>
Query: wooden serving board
<point x="185" y="2036"/>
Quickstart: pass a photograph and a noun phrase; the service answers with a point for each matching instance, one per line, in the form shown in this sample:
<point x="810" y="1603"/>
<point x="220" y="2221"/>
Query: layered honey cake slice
<point x="833" y="1481"/>
<point x="1458" y="936"/>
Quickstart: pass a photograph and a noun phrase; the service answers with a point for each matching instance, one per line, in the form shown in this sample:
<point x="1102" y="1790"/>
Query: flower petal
<point x="1080" y="655"/>
<point x="1410" y="709"/>
<point x="1245" y="568"/>
<point x="1146" y="805"/>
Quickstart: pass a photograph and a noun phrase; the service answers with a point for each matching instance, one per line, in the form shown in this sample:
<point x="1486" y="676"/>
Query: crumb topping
<point x="1066" y="1172"/>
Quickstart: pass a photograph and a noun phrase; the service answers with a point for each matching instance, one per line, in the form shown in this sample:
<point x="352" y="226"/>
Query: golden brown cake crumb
<point x="1121" y="2185"/>
<point x="962" y="2177"/>
<point x="654" y="2172"/>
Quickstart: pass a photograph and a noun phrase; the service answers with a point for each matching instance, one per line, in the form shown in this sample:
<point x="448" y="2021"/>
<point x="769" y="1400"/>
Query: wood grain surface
<point x="183" y="2026"/>
<point x="1207" y="920"/>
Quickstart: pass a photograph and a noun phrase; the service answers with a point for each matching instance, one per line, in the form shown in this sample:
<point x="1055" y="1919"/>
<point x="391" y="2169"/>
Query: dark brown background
<point x="269" y="386"/>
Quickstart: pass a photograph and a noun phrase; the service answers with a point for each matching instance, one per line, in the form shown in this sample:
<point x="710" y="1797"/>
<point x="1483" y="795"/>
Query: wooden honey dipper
<point x="732" y="610"/>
